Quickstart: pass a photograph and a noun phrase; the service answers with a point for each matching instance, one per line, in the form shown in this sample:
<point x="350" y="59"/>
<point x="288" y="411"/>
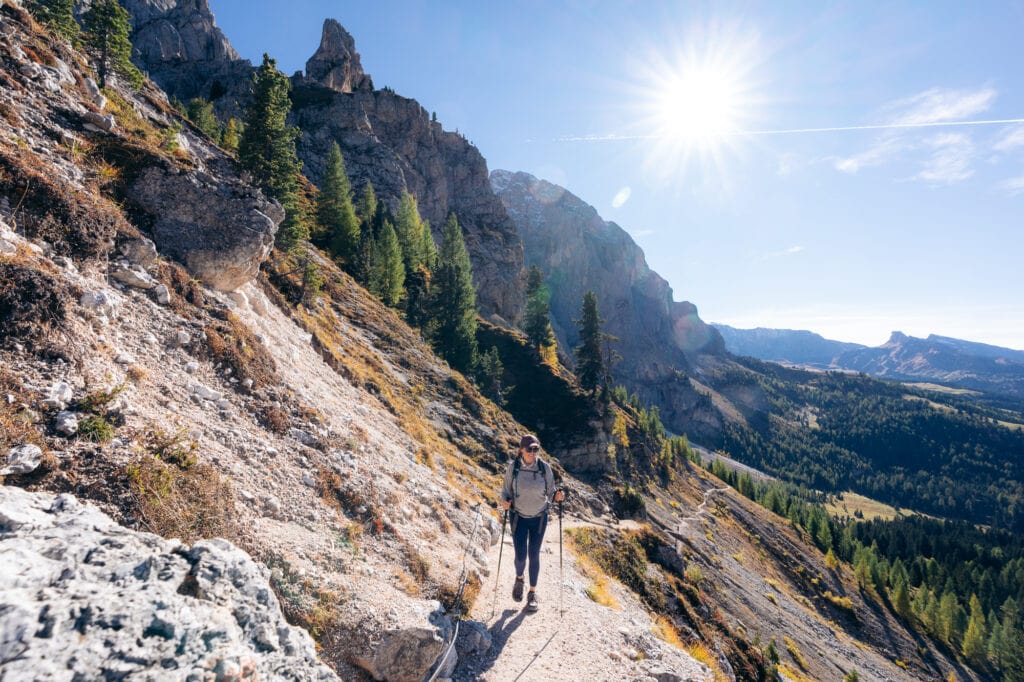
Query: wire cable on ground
<point x="458" y="596"/>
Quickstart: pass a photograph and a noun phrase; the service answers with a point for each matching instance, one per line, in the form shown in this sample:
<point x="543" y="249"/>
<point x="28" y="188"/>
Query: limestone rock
<point x="140" y="252"/>
<point x="104" y="123"/>
<point x="66" y="423"/>
<point x="336" y="63"/>
<point x="21" y="459"/>
<point x="131" y="276"/>
<point x="219" y="227"/>
<point x="134" y="603"/>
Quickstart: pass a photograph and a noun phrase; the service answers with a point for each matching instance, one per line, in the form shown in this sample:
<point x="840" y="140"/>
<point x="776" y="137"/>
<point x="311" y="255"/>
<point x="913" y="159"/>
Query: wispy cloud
<point x="950" y="161"/>
<point x="621" y="197"/>
<point x="950" y="156"/>
<point x="641" y="233"/>
<point x="884" y="149"/>
<point x="937" y="105"/>
<point x="791" y="251"/>
<point x="1012" y="139"/>
<point x="1013" y="186"/>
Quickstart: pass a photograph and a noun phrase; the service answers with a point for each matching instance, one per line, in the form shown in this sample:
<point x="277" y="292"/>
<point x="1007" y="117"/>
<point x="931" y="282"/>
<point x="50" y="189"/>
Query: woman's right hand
<point x="506" y="504"/>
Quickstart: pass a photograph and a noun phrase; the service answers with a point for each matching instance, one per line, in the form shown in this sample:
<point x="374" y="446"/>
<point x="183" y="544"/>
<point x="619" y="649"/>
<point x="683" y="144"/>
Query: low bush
<point x="32" y="303"/>
<point x="187" y="503"/>
<point x="96" y="429"/>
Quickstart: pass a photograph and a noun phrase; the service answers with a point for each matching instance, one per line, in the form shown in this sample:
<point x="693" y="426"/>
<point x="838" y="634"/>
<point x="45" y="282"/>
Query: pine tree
<point x="975" y="636"/>
<point x="589" y="360"/>
<point x="419" y="254"/>
<point x="200" y="112"/>
<point x="267" y="149"/>
<point x="105" y="27"/>
<point x="335" y="211"/>
<point x="454" y="301"/>
<point x="537" y="321"/>
<point x="363" y="266"/>
<point x="409" y="228"/>
<point x="948" y="618"/>
<point x="387" y="276"/>
<point x="367" y="208"/>
<point x="229" y="137"/>
<point x="489" y="374"/>
<point x="57" y="15"/>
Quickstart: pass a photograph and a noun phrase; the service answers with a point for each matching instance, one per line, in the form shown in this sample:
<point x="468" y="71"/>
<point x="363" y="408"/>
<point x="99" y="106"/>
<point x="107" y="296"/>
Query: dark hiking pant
<point x="527" y="536"/>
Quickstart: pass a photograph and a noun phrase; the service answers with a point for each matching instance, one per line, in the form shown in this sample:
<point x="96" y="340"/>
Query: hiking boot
<point x="531" y="601"/>
<point x="517" y="590"/>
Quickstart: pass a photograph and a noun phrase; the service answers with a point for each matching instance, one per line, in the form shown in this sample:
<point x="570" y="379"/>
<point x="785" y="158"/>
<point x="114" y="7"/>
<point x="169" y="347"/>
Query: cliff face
<point x="386" y="139"/>
<point x="658" y="338"/>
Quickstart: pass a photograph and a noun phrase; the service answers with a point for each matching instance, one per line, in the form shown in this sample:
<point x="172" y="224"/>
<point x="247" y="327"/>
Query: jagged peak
<point x="336" y="64"/>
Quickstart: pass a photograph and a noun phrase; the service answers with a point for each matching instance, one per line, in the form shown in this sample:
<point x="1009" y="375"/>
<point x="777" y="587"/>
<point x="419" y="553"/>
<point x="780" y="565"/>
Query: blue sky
<point x="889" y="219"/>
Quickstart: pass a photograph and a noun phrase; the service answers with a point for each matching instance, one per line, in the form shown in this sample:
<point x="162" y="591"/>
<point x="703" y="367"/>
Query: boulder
<point x="140" y="252"/>
<point x="100" y="123"/>
<point x="131" y="276"/>
<point x="134" y="603"/>
<point x="219" y="227"/>
<point x="21" y="459"/>
<point x="66" y="423"/>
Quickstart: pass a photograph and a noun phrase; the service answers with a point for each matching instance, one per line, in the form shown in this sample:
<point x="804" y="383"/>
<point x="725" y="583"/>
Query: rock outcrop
<point x="336" y="63"/>
<point x="220" y="228"/>
<point x="386" y="139"/>
<point x="178" y="44"/>
<point x="658" y="338"/>
<point x="134" y="603"/>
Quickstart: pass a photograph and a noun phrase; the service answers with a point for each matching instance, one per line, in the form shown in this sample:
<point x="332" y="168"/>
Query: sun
<point x="697" y="106"/>
<point x="693" y="98"/>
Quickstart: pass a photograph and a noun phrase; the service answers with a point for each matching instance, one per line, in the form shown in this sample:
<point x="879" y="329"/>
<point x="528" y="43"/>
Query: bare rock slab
<point x="134" y="603"/>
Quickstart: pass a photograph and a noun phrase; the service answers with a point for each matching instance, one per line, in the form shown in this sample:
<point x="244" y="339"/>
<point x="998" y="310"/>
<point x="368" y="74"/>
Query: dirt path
<point x="702" y="509"/>
<point x="588" y="642"/>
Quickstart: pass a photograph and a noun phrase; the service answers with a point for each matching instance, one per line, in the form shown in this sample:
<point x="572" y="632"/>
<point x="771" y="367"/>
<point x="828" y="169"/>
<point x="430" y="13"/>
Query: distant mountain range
<point x="936" y="359"/>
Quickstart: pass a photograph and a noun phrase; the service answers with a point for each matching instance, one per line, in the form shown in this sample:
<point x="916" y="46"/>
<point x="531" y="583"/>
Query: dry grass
<point x="665" y="631"/>
<point x="700" y="652"/>
<point x="854" y="502"/>
<point x="187" y="503"/>
<point x="232" y="343"/>
<point x="32" y="303"/>
<point x="794" y="653"/>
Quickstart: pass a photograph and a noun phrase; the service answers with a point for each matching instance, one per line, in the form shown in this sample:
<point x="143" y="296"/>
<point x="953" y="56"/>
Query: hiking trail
<point x="589" y="642"/>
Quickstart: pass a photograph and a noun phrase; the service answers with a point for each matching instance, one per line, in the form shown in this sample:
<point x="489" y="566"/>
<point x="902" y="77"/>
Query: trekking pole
<point x="561" y="579"/>
<point x="497" y="572"/>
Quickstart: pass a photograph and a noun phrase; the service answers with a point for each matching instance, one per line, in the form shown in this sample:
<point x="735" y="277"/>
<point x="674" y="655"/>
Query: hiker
<point x="528" y="491"/>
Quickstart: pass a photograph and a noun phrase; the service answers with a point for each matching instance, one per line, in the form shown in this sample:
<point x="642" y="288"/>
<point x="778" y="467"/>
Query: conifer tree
<point x="200" y="112"/>
<point x="367" y="208"/>
<point x="589" y="360"/>
<point x="489" y="374"/>
<point x="56" y="15"/>
<point x="387" y="276"/>
<point x="901" y="597"/>
<point x="454" y="301"/>
<point x="267" y="149"/>
<point x="537" y="321"/>
<point x="419" y="254"/>
<point x="105" y="28"/>
<point x="230" y="135"/>
<point x="975" y="636"/>
<point x="363" y="266"/>
<point x="335" y="210"/>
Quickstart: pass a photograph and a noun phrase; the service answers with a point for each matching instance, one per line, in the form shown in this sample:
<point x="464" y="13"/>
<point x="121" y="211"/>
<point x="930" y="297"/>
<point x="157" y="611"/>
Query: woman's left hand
<point x="559" y="496"/>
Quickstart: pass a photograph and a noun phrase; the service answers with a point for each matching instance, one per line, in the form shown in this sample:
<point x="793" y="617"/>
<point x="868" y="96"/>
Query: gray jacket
<point x="531" y="493"/>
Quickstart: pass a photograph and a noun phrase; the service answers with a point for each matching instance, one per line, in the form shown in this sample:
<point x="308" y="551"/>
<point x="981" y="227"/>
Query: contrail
<point x="613" y="137"/>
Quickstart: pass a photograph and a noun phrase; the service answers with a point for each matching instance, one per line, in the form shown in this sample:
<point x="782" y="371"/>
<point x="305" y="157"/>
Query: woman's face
<point x="529" y="454"/>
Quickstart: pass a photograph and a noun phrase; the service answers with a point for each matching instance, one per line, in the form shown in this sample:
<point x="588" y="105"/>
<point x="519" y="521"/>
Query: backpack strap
<point x="542" y="467"/>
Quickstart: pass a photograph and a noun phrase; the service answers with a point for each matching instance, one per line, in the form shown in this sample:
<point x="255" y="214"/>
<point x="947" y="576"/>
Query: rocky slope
<point x="319" y="434"/>
<point x="386" y="139"/>
<point x="661" y="340"/>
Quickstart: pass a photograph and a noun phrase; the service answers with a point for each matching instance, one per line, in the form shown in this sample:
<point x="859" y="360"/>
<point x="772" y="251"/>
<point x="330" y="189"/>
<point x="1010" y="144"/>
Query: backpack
<point x="542" y="467"/>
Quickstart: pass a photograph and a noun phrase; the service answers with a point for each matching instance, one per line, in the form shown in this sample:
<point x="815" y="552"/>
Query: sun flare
<point x="693" y="102"/>
<point x="697" y="106"/>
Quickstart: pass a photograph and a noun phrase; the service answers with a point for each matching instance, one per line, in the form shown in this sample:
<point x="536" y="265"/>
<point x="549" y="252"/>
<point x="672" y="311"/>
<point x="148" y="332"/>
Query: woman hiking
<point x="528" y="491"/>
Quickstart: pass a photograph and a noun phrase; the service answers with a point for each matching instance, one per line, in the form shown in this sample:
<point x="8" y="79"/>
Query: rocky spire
<point x="336" y="63"/>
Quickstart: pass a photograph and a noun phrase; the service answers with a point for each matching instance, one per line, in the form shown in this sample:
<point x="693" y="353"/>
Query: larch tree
<point x="267" y="149"/>
<point x="454" y="301"/>
<point x="105" y="30"/>
<point x="200" y="112"/>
